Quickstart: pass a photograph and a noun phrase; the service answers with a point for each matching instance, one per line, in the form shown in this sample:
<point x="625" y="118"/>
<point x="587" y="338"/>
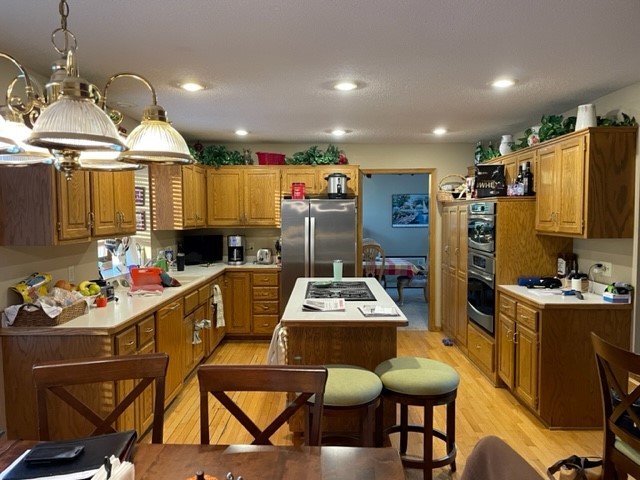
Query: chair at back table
<point x="370" y="253"/>
<point x="55" y="376"/>
<point x="302" y="380"/>
<point x="621" y="449"/>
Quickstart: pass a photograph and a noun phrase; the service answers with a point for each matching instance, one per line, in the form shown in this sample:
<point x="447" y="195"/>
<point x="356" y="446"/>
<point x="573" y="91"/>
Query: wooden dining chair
<point x="302" y="381"/>
<point x="621" y="409"/>
<point x="370" y="253"/>
<point x="54" y="378"/>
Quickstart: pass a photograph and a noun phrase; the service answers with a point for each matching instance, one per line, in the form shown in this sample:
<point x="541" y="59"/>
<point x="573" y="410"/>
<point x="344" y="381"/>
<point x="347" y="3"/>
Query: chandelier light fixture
<point x="20" y="154"/>
<point x="154" y="141"/>
<point x="70" y="120"/>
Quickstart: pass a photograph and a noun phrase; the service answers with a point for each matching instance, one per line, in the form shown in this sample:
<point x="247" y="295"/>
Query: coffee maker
<point x="235" y="250"/>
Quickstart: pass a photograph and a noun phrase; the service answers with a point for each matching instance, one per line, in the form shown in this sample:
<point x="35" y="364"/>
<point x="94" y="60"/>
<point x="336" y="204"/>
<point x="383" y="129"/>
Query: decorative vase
<point x="586" y="116"/>
<point x="534" y="138"/>
<point x="506" y="145"/>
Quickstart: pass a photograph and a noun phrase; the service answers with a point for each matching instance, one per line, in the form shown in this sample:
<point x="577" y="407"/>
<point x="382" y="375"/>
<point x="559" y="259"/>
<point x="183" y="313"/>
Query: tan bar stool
<point x="350" y="389"/>
<point x="426" y="383"/>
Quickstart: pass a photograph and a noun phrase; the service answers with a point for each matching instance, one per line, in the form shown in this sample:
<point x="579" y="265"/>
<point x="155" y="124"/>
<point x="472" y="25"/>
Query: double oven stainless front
<point x="481" y="237"/>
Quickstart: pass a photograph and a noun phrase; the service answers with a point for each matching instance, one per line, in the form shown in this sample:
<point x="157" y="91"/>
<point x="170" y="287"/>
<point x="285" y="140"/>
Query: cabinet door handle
<point x="515" y="337"/>
<point x="149" y="330"/>
<point x="508" y="334"/>
<point x="90" y="219"/>
<point x="132" y="342"/>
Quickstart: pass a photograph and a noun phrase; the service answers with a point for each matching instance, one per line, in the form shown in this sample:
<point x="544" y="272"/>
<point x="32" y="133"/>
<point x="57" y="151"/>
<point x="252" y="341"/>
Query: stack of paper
<point x="378" y="311"/>
<point x="324" y="305"/>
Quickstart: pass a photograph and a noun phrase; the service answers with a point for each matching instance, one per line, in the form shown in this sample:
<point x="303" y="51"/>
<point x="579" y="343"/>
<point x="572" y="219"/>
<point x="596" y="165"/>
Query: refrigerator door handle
<point x="306" y="247"/>
<point x="312" y="247"/>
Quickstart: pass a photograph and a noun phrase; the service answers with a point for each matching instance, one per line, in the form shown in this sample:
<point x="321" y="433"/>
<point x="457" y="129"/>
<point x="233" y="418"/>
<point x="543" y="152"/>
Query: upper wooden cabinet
<point x="113" y="203"/>
<point x="243" y="196"/>
<point x="313" y="178"/>
<point x="178" y="197"/>
<point x="41" y="207"/>
<point x="586" y="184"/>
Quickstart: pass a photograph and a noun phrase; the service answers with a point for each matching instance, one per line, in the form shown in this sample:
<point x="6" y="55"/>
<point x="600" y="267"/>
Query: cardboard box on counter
<point x="616" y="297"/>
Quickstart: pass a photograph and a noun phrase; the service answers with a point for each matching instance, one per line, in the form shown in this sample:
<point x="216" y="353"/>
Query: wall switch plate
<point x="606" y="269"/>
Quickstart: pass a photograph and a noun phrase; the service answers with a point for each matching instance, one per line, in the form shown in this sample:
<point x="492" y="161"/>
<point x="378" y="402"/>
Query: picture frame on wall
<point x="141" y="220"/>
<point x="409" y="210"/>
<point x="139" y="196"/>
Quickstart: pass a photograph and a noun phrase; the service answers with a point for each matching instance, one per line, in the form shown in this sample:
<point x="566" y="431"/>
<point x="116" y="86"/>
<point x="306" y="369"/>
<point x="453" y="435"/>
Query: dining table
<point x="182" y="461"/>
<point x="397" y="266"/>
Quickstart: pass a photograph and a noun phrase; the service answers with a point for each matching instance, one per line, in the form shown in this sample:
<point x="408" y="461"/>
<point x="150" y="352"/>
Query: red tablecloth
<point x="398" y="266"/>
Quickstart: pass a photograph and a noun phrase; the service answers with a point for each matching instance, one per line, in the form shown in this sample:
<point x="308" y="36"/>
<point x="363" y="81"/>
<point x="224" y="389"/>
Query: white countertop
<point x="554" y="298"/>
<point x="293" y="313"/>
<point x="115" y="314"/>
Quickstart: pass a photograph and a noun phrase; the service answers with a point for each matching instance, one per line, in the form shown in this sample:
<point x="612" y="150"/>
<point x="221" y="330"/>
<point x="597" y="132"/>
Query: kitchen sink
<point x="186" y="280"/>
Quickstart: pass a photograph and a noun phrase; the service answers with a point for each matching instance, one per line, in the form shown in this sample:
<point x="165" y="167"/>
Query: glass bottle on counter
<point x="527" y="180"/>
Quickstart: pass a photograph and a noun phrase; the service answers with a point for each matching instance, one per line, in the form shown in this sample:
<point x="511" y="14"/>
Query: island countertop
<point x="351" y="317"/>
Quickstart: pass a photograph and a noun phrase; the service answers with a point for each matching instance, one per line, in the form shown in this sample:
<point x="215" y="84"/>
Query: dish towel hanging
<point x="277" y="353"/>
<point x="217" y="301"/>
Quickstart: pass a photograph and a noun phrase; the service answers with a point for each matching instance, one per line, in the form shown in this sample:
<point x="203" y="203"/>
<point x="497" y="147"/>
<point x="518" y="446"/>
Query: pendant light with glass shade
<point x="70" y="120"/>
<point x="21" y="154"/>
<point x="154" y="141"/>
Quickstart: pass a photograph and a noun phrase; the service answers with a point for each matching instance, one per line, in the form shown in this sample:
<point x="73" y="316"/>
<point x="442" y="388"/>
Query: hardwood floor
<point x="481" y="410"/>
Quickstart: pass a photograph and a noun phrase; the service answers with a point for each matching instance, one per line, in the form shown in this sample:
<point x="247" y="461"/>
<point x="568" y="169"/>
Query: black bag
<point x="576" y="468"/>
<point x="490" y="181"/>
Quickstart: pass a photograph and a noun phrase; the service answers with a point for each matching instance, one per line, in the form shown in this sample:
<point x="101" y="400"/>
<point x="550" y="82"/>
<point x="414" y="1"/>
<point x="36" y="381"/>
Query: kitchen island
<point x="345" y="337"/>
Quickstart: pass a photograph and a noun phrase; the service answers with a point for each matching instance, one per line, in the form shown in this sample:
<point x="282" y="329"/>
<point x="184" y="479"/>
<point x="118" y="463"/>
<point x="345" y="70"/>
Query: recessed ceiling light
<point x="241" y="132"/>
<point x="191" y="87"/>
<point x="439" y="131"/>
<point x="503" y="83"/>
<point x="338" y="132"/>
<point x="345" y="86"/>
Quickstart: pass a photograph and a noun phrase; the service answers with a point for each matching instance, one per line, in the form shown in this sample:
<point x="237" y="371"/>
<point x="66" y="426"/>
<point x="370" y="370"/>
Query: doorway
<point x="412" y="191"/>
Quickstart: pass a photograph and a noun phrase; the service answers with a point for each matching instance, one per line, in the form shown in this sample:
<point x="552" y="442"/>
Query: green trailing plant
<point x="216" y="155"/>
<point x="315" y="156"/>
<point x="552" y="126"/>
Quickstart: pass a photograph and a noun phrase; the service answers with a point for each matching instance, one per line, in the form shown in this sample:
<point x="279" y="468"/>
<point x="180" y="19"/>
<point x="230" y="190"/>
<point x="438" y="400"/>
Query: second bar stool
<point x="350" y="389"/>
<point x="426" y="383"/>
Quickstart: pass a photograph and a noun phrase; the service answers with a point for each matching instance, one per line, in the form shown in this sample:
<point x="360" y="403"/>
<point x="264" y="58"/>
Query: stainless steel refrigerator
<point x="315" y="232"/>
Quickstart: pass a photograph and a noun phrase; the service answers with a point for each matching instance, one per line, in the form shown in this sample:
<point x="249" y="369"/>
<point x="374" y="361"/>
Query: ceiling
<point x="269" y="64"/>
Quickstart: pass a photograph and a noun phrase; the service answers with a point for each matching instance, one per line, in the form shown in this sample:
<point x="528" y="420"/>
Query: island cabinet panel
<point x="545" y="355"/>
<point x="21" y="351"/>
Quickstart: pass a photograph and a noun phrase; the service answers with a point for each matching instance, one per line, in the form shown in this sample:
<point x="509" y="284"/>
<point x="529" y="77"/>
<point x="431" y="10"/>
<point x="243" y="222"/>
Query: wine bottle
<point x="479" y="154"/>
<point x="527" y="180"/>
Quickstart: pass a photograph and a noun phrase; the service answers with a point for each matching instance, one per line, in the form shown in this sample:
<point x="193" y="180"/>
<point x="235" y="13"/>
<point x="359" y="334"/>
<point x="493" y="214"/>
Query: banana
<point x="83" y="285"/>
<point x="88" y="288"/>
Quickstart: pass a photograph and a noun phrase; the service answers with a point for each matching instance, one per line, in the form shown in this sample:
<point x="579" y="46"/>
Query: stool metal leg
<point x="404" y="427"/>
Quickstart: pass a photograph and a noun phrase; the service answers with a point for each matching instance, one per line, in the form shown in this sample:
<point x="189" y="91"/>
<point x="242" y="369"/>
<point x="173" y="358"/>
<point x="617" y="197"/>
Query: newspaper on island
<point x="324" y="305"/>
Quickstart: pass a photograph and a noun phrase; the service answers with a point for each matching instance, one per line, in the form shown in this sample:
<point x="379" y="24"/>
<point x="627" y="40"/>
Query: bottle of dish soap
<point x="161" y="261"/>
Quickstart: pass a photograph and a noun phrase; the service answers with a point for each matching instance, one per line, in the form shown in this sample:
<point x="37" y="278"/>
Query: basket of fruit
<point x="62" y="303"/>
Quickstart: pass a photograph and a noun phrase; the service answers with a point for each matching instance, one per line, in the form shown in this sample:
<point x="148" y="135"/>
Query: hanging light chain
<point x="63" y="8"/>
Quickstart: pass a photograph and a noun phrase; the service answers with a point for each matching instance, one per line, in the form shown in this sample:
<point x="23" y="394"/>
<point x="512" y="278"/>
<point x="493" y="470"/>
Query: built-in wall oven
<point x="481" y="269"/>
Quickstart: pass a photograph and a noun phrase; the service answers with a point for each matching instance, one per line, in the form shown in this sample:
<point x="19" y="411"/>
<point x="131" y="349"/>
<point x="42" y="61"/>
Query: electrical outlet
<point x="251" y="247"/>
<point x="606" y="269"/>
<point x="71" y="273"/>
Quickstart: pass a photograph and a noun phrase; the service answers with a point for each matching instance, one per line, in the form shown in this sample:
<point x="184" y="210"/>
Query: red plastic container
<point x="146" y="276"/>
<point x="297" y="191"/>
<point x="265" y="158"/>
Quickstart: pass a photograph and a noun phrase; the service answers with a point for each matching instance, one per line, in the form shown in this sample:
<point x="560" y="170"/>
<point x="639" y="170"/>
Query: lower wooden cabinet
<point x="545" y="356"/>
<point x="214" y="335"/>
<point x="169" y="339"/>
<point x="481" y="349"/>
<point x="265" y="297"/>
<point x="137" y="339"/>
<point x="252" y="302"/>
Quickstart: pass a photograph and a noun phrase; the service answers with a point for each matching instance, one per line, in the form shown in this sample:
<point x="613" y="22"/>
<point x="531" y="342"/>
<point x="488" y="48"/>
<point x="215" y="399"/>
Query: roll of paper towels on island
<point x="337" y="270"/>
<point x="586" y="116"/>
